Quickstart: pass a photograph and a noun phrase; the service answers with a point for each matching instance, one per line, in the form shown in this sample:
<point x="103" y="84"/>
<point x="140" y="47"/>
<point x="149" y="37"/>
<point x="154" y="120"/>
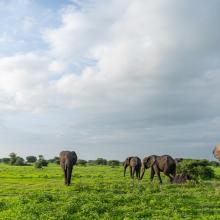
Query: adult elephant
<point x="135" y="166"/>
<point x="67" y="161"/>
<point x="164" y="163"/>
<point x="216" y="151"/>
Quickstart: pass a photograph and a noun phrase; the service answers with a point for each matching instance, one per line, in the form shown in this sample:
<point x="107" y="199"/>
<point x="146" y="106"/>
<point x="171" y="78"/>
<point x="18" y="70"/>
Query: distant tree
<point x="81" y="162"/>
<point x="113" y="163"/>
<point x="1" y="160"/>
<point x="6" y="160"/>
<point x="40" y="157"/>
<point x="101" y="161"/>
<point x="31" y="159"/>
<point x="55" y="160"/>
<point x="19" y="161"/>
<point x="41" y="162"/>
<point x="13" y="157"/>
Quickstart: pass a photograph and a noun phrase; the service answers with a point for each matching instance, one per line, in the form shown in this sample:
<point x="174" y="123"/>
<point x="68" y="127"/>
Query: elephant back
<point x="167" y="162"/>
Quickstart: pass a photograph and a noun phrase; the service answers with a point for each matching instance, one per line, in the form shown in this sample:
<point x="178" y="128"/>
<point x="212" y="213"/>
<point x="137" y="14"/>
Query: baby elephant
<point x="67" y="161"/>
<point x="135" y="166"/>
<point x="182" y="178"/>
<point x="165" y="164"/>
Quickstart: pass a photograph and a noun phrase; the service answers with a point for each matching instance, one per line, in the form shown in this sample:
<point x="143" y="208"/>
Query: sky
<point x="109" y="78"/>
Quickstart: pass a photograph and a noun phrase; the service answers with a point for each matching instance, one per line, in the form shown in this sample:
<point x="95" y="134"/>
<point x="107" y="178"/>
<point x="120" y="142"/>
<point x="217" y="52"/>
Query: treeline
<point x="40" y="161"/>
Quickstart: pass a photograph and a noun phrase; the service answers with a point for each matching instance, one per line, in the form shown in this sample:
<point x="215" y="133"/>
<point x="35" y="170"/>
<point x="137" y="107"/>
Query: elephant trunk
<point x="143" y="171"/>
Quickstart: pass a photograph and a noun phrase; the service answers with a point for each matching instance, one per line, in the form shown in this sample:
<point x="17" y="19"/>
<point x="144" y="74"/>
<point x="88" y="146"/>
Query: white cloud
<point x="127" y="66"/>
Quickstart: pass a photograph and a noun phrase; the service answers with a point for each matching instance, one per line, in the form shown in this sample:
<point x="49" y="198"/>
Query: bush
<point x="19" y="161"/>
<point x="55" y="160"/>
<point x="38" y="165"/>
<point x="214" y="164"/>
<point x="81" y="162"/>
<point x="41" y="162"/>
<point x="101" y="161"/>
<point x="113" y="163"/>
<point x="6" y="160"/>
<point x="196" y="169"/>
<point x="12" y="158"/>
<point x="31" y="159"/>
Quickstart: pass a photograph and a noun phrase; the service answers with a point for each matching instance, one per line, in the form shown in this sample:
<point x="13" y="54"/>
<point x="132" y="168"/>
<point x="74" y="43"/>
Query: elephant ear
<point x="129" y="159"/>
<point x="153" y="160"/>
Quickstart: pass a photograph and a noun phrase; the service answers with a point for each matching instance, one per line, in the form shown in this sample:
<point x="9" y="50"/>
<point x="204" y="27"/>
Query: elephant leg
<point x="158" y="174"/>
<point x="125" y="167"/>
<point x="170" y="177"/>
<point x="130" y="171"/>
<point x="133" y="172"/>
<point x="65" y="176"/>
<point x="69" y="174"/>
<point x="137" y="174"/>
<point x="152" y="174"/>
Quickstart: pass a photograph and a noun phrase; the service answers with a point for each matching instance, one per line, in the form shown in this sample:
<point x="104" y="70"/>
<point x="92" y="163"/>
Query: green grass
<point x="101" y="192"/>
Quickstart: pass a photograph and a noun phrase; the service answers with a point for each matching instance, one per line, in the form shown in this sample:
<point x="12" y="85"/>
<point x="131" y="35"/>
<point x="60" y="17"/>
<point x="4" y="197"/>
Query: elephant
<point x="164" y="163"/>
<point x="182" y="178"/>
<point x="67" y="161"/>
<point x="216" y="151"/>
<point x="135" y="166"/>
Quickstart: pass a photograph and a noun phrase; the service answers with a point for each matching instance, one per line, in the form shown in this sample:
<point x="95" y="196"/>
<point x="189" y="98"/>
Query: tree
<point x="31" y="159"/>
<point x="113" y="163"/>
<point x="81" y="162"/>
<point x="6" y="160"/>
<point x="41" y="162"/>
<point x="101" y="161"/>
<point x="19" y="161"/>
<point x="55" y="160"/>
<point x="13" y="157"/>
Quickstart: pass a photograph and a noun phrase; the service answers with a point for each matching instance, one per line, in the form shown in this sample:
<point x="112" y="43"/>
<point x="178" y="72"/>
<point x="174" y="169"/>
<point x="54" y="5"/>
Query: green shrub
<point x="113" y="163"/>
<point x="81" y="162"/>
<point x="6" y="160"/>
<point x="19" y="161"/>
<point x="31" y="159"/>
<point x="38" y="165"/>
<point x="196" y="169"/>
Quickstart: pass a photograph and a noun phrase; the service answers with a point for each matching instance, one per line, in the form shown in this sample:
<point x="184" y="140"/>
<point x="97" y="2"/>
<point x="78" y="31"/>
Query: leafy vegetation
<point x="196" y="169"/>
<point x="101" y="192"/>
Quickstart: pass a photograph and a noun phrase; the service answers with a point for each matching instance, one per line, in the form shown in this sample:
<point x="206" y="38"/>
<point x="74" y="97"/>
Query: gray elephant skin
<point x="164" y="163"/>
<point x="67" y="160"/>
<point x="135" y="166"/>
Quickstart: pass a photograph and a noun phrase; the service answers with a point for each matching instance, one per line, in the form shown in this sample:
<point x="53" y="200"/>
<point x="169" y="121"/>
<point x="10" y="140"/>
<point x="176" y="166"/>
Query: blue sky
<point x="109" y="78"/>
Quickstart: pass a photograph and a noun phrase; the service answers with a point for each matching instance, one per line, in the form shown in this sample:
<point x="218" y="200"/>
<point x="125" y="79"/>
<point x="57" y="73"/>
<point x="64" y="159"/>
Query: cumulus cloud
<point x="128" y="72"/>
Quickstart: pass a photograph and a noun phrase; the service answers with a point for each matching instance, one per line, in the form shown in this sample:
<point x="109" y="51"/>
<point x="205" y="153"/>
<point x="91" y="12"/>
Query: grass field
<point x="101" y="192"/>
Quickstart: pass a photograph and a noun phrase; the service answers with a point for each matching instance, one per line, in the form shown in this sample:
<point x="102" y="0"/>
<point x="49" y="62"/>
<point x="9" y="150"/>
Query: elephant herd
<point x="158" y="164"/>
<point x="165" y="164"/>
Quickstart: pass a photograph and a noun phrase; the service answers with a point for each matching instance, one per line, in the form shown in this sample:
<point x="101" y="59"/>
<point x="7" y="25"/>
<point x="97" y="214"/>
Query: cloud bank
<point x="111" y="78"/>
